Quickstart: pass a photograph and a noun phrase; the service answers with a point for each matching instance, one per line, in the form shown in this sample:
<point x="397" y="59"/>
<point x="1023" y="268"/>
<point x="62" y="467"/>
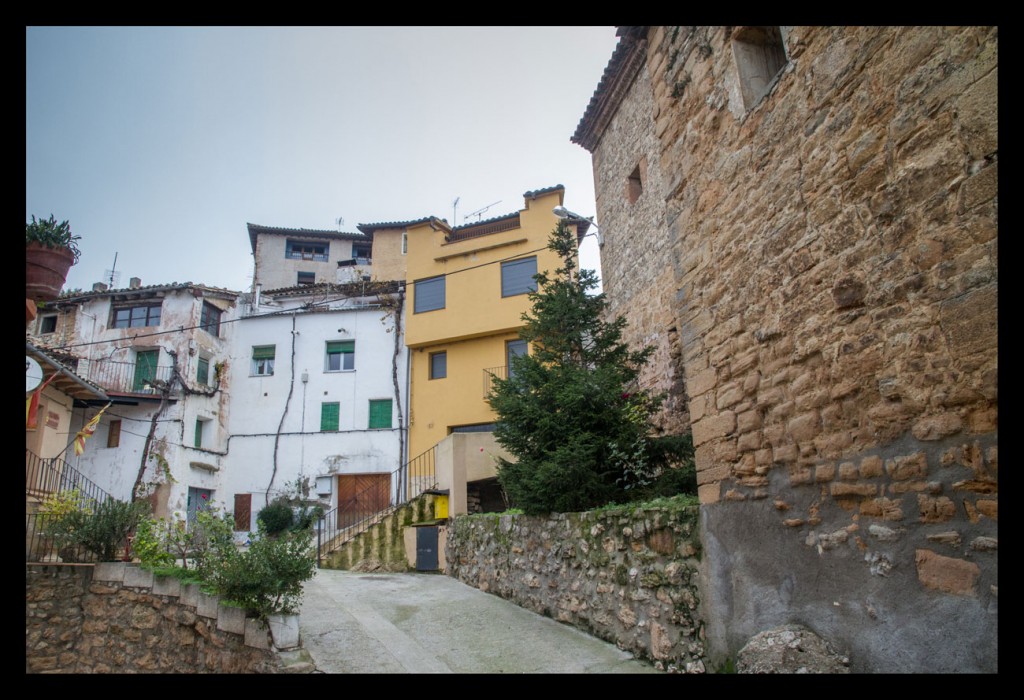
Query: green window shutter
<point x="199" y="433"/>
<point x="341" y="346"/>
<point x="329" y="416"/>
<point x="203" y="371"/>
<point x="380" y="413"/>
<point x="263" y="352"/>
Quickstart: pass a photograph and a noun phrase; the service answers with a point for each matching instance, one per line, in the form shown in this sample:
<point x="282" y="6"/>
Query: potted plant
<point x="50" y="251"/>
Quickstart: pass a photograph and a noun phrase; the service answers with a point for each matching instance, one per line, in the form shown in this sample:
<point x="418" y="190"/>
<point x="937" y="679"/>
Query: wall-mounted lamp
<point x="563" y="213"/>
<point x="305" y="377"/>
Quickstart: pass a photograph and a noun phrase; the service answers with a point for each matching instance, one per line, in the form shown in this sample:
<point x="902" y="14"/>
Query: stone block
<point x="206" y="605"/>
<point x="167" y="585"/>
<point x="256" y="633"/>
<point x="946" y="574"/>
<point x="914" y="466"/>
<point x="884" y="508"/>
<point x="871" y="466"/>
<point x="937" y="427"/>
<point x="989" y="509"/>
<point x="230" y="618"/>
<point x="935" y="510"/>
<point x="711" y="427"/>
<point x="190" y="594"/>
<point x="112" y="571"/>
<point x="805" y="427"/>
<point x="137" y="577"/>
<point x="843" y="490"/>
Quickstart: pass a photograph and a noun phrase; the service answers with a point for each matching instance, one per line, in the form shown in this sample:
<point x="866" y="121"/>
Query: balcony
<point x="126" y="377"/>
<point x="464" y="233"/>
<point x="490" y="373"/>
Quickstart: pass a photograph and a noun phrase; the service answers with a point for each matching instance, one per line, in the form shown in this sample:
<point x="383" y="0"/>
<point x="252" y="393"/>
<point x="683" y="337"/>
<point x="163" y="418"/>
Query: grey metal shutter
<point x="517" y="276"/>
<point x="429" y="295"/>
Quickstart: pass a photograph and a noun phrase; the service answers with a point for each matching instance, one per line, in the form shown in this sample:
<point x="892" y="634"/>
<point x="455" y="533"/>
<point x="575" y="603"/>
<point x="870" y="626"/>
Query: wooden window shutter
<point x="243" y="511"/>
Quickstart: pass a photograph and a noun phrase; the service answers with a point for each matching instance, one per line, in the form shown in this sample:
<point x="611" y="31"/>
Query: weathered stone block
<point x="804" y="427"/>
<point x="946" y="574"/>
<point x="885" y="508"/>
<point x="112" y="571"/>
<point x="167" y="585"/>
<point x="913" y="466"/>
<point x="137" y="577"/>
<point x="871" y="466"/>
<point x="937" y="427"/>
<point x="230" y="618"/>
<point x="711" y="427"/>
<point x="206" y="605"/>
<point x="842" y="490"/>
<point x="935" y="510"/>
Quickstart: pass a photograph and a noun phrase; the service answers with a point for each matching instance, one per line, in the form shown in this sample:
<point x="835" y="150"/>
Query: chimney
<point x="134" y="283"/>
<point x="99" y="287"/>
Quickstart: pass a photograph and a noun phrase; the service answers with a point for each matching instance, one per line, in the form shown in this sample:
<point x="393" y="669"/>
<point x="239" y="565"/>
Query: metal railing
<point x="490" y="373"/>
<point x="43" y="477"/>
<point x="369" y="506"/>
<point x="123" y="377"/>
<point x="464" y="234"/>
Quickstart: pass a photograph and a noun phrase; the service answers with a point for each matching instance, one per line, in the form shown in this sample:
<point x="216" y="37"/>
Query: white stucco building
<point x="319" y="395"/>
<point x="160" y="353"/>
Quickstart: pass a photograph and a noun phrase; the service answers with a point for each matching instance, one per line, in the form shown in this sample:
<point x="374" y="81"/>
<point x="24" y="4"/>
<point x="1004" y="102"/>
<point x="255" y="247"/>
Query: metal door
<point x="426" y="548"/>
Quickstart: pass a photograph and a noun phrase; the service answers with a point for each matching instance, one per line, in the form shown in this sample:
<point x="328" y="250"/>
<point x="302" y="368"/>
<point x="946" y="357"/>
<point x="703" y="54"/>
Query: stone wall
<point x="626" y="576"/>
<point x="637" y="274"/>
<point x="835" y="249"/>
<point x="76" y="622"/>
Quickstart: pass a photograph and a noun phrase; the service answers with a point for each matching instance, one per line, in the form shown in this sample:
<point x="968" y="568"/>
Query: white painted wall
<point x="259" y="402"/>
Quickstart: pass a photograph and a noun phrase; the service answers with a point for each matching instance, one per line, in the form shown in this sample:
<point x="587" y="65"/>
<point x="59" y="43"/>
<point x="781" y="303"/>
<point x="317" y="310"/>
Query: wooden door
<point x="362" y="495"/>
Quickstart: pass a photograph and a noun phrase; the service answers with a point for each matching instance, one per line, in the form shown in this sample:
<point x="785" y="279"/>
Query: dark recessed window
<point x="47" y="324"/>
<point x="306" y="250"/>
<point x="428" y="295"/>
<point x="136" y="316"/>
<point x="438" y="365"/>
<point x="209" y="320"/>
<point x="306" y="278"/>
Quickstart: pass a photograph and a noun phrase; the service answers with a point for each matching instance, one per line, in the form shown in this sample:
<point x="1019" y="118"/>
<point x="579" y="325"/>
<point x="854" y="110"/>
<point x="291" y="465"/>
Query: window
<point x="209" y="319"/>
<point x="438" y="365"/>
<point x="380" y="413"/>
<point x="428" y="295"/>
<point x="635" y="181"/>
<point x="306" y="278"/>
<point x="341" y="355"/>
<point x="243" y="511"/>
<point x="306" y="250"/>
<point x="136" y="316"/>
<point x="517" y="276"/>
<point x="514" y="348"/>
<point x="329" y="416"/>
<point x="47" y="324"/>
<point x="760" y="57"/>
<point x="114" y="433"/>
<point x="200" y="429"/>
<point x="203" y="371"/>
<point x="405" y="242"/>
<point x="263" y="360"/>
<point x="362" y="253"/>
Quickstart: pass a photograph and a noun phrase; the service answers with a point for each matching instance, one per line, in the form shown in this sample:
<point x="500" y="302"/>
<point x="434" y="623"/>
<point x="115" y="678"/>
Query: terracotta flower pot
<point x="45" y="271"/>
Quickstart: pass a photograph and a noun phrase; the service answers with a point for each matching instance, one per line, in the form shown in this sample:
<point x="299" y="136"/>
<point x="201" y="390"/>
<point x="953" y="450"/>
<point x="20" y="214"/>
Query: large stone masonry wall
<point x="121" y="620"/>
<point x="636" y="259"/>
<point x="836" y="249"/>
<point x="629" y="577"/>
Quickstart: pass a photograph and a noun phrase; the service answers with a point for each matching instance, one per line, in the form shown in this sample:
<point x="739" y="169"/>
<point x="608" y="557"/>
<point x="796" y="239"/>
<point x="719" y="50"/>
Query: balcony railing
<point x="489" y="374"/>
<point x="126" y="377"/>
<point x="44" y="477"/>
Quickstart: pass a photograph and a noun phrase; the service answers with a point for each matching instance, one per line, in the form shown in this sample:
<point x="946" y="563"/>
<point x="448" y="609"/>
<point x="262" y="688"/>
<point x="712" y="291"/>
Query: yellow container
<point x="441" y="506"/>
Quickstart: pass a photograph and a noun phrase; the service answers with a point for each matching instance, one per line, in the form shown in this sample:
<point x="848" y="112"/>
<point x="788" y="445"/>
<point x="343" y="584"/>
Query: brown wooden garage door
<point x="362" y="495"/>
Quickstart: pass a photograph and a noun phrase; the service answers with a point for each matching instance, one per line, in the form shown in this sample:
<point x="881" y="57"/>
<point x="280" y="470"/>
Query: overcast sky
<point x="160" y="144"/>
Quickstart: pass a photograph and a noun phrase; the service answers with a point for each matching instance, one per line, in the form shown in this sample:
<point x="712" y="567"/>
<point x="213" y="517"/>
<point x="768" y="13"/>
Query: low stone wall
<point x="627" y="576"/>
<point x="116" y="618"/>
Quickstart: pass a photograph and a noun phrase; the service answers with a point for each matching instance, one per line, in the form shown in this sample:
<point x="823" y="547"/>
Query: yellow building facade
<point x="468" y="288"/>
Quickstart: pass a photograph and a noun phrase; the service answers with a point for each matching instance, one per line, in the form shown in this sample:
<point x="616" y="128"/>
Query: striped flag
<point x="32" y="404"/>
<point x="86" y="432"/>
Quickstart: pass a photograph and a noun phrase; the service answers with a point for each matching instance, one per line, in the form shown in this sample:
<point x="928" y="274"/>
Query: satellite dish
<point x="33" y="374"/>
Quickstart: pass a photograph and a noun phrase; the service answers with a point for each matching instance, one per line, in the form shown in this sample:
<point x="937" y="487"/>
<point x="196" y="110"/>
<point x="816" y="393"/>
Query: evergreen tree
<point x="570" y="412"/>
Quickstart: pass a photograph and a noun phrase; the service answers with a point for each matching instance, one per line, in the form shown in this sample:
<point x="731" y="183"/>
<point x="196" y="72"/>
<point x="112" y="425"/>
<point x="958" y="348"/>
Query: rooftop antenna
<point x="479" y="212"/>
<point x="455" y="208"/>
<point x="339" y="222"/>
<point x="112" y="275"/>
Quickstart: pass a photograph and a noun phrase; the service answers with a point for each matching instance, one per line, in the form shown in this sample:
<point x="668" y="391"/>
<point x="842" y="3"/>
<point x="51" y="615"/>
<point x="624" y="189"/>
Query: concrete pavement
<point x="431" y="623"/>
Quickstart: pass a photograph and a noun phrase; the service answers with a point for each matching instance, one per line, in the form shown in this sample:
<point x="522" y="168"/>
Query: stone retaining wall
<point x="116" y="618"/>
<point x="626" y="576"/>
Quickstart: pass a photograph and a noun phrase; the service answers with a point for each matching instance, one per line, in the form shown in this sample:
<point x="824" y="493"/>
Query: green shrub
<point x="307" y="517"/>
<point x="276" y="517"/>
<point x="105" y="532"/>
<point x="266" y="579"/>
<point x="150" y="544"/>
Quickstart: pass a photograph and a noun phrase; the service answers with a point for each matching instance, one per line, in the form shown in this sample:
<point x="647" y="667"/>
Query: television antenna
<point x="339" y="222"/>
<point x="112" y="275"/>
<point x="479" y="212"/>
<point x="455" y="208"/>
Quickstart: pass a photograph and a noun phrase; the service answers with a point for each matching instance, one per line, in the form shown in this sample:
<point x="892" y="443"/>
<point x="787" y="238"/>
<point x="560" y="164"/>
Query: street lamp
<point x="563" y="213"/>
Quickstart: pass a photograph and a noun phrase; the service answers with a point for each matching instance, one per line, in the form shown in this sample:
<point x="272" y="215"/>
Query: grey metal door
<point x="426" y="548"/>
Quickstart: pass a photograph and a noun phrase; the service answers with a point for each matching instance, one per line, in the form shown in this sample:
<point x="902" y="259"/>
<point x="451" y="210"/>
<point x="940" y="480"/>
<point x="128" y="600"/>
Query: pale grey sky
<point x="161" y="143"/>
